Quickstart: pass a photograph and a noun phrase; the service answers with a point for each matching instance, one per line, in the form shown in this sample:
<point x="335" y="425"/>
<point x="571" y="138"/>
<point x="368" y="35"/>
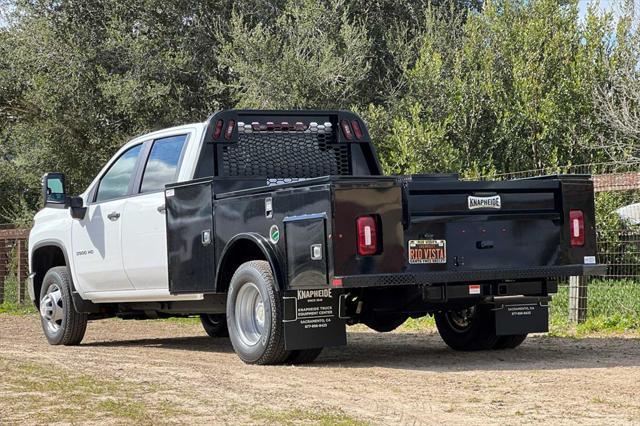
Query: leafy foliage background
<point x="465" y="86"/>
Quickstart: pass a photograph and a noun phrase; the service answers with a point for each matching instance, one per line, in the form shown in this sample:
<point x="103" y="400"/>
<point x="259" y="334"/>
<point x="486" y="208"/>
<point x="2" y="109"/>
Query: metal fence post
<point x="583" y="299"/>
<point x="578" y="299"/>
<point x="573" y="299"/>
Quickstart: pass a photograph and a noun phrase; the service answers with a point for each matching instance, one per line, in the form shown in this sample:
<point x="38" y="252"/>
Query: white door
<point x="144" y="235"/>
<point x="97" y="239"/>
<point x="97" y="248"/>
<point x="144" y="241"/>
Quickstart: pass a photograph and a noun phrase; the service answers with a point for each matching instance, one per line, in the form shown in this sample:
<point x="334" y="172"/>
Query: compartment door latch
<point x="316" y="252"/>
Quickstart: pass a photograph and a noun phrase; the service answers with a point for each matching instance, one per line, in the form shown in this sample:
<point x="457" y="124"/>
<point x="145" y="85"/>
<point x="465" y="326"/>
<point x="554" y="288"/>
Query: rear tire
<point x="215" y="324"/>
<point x="510" y="342"/>
<point x="471" y="329"/>
<point x="61" y="323"/>
<point x="303" y="356"/>
<point x="254" y="315"/>
<point x="385" y="322"/>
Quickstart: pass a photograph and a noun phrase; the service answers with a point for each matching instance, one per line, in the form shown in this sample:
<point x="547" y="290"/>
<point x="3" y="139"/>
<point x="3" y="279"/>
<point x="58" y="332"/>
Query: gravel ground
<point x="167" y="372"/>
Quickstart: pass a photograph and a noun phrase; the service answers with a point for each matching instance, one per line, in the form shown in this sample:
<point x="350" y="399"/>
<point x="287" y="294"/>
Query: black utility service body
<point x="304" y="191"/>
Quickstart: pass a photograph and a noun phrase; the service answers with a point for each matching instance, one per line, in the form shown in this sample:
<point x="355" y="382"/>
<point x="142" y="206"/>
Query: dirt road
<point x="167" y="372"/>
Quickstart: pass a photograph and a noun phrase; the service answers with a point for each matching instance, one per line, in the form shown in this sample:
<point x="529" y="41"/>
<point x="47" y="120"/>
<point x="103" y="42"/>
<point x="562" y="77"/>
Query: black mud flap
<point x="521" y="315"/>
<point x="314" y="318"/>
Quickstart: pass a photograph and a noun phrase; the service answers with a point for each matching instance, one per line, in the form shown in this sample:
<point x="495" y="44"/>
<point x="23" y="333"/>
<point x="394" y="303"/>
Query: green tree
<point x="312" y="56"/>
<point x="445" y="86"/>
<point x="510" y="88"/>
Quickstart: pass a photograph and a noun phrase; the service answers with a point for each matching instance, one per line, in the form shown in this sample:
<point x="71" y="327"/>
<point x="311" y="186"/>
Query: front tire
<point x="470" y="329"/>
<point x="61" y="323"/>
<point x="215" y="324"/>
<point x="254" y="315"/>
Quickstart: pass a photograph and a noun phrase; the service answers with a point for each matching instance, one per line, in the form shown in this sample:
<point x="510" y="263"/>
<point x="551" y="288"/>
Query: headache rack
<point x="286" y="146"/>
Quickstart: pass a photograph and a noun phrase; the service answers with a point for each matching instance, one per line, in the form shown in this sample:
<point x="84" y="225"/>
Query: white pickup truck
<point x="279" y="229"/>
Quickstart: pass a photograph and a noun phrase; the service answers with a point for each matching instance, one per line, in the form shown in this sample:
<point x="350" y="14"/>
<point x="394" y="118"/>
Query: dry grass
<point x="47" y="393"/>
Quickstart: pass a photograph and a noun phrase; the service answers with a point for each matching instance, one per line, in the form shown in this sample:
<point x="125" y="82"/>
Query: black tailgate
<point x="495" y="224"/>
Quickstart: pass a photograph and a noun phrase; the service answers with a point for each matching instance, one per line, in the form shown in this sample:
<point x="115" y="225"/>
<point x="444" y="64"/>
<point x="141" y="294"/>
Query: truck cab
<point x="117" y="249"/>
<point x="278" y="229"/>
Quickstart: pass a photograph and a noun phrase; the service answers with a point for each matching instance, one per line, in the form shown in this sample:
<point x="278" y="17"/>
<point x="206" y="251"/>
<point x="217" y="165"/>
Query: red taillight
<point x="218" y="131"/>
<point x="576" y="225"/>
<point x="229" y="131"/>
<point x="367" y="235"/>
<point x="356" y="129"/>
<point x="346" y="129"/>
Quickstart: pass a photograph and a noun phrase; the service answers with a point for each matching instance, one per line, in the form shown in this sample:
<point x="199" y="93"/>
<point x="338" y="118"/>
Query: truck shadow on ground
<point x="420" y="351"/>
<point x="191" y="343"/>
<point x="426" y="352"/>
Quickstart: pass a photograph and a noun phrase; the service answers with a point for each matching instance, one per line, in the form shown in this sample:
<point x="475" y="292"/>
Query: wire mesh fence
<point x="616" y="172"/>
<point x="621" y="252"/>
<point x="13" y="263"/>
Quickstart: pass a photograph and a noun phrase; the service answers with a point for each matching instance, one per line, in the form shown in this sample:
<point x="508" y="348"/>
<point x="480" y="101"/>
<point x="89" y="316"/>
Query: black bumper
<point x="547" y="272"/>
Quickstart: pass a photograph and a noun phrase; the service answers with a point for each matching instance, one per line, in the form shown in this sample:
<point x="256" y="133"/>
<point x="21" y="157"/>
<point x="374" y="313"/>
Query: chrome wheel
<point x="249" y="314"/>
<point x="52" y="308"/>
<point x="461" y="320"/>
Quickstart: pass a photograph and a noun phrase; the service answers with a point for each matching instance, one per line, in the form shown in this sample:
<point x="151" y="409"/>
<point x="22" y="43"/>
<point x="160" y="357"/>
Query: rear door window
<point x="163" y="162"/>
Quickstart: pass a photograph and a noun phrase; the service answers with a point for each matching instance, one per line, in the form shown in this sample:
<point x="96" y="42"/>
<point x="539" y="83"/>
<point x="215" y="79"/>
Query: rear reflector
<point x="367" y="235"/>
<point x="576" y="226"/>
<point x="346" y="130"/>
<point x="218" y="131"/>
<point x="229" y="131"/>
<point x="336" y="282"/>
<point x="357" y="130"/>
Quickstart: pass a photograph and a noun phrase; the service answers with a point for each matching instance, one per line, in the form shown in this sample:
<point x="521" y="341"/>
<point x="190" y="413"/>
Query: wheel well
<point x="43" y="259"/>
<point x="240" y="252"/>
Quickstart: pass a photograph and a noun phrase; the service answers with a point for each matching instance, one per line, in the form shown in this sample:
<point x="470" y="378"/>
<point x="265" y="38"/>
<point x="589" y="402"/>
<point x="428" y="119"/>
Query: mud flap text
<point x="312" y="319"/>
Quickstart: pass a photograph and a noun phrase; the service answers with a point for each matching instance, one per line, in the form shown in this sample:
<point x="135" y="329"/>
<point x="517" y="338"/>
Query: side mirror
<point x="55" y="195"/>
<point x="53" y="189"/>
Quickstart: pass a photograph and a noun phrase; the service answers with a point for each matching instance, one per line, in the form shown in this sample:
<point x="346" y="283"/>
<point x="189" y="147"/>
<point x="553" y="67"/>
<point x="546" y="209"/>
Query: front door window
<point x="115" y="183"/>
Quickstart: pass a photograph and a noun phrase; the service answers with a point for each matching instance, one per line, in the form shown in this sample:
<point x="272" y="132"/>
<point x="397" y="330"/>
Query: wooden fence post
<point x="19" y="267"/>
<point x="578" y="299"/>
<point x="3" y="267"/>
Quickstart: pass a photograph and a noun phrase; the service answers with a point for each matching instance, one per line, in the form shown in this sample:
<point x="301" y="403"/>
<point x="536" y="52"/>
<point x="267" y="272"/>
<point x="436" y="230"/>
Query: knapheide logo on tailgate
<point x="493" y="202"/>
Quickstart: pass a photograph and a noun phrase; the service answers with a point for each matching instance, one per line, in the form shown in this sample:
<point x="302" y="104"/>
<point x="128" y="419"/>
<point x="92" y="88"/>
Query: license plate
<point x="427" y="251"/>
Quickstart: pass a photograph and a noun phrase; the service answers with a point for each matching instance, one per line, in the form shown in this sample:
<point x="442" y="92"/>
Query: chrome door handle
<point x="113" y="216"/>
<point x="162" y="209"/>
